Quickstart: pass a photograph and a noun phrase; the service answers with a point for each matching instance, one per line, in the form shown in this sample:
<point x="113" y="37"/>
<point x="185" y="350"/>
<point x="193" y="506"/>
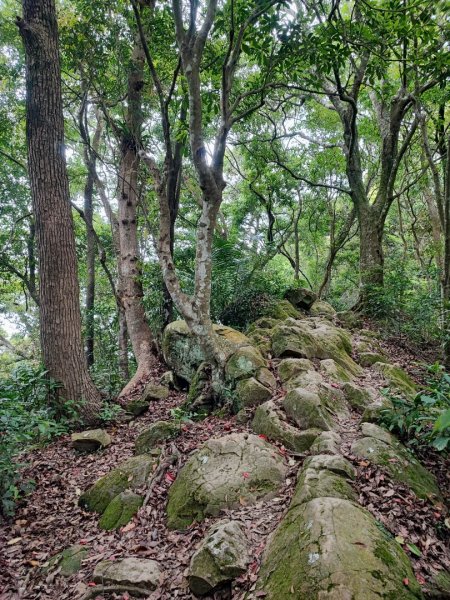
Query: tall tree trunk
<point x="371" y="249"/>
<point x="123" y="345"/>
<point x="60" y="316"/>
<point x="130" y="284"/>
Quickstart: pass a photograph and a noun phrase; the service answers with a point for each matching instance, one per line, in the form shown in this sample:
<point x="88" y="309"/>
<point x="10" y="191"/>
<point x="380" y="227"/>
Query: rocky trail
<point x="298" y="495"/>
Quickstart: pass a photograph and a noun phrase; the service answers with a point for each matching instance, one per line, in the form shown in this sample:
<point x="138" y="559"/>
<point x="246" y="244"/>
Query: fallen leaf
<point x="13" y="541"/>
<point x="128" y="527"/>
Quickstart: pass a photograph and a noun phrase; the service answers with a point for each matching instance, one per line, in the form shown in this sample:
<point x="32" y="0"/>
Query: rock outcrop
<point x="135" y="572"/>
<point x="91" y="440"/>
<point x="224" y="472"/>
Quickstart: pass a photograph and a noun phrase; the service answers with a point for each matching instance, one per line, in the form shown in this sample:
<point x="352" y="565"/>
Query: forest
<point x="224" y="299"/>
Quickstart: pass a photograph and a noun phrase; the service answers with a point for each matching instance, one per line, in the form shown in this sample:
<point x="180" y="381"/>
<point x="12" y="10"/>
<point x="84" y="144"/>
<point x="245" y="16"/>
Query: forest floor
<point x="49" y="519"/>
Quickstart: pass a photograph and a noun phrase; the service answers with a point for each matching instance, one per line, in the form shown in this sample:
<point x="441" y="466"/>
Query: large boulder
<point x="327" y="442"/>
<point x="91" y="440"/>
<point x="222" y="555"/>
<point x="270" y="421"/>
<point x="321" y="483"/>
<point x="314" y="338"/>
<point x="398" y="462"/>
<point x="330" y="548"/>
<point x="183" y="353"/>
<point x="224" y="472"/>
<point x="131" y="474"/>
<point x="301" y="297"/>
<point x="330" y="394"/>
<point x="140" y="573"/>
<point x="305" y="409"/>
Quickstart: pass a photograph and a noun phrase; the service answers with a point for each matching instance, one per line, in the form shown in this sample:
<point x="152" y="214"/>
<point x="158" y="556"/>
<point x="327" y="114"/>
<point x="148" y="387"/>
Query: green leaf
<point x="414" y="549"/>
<point x="443" y="421"/>
<point x="440" y="443"/>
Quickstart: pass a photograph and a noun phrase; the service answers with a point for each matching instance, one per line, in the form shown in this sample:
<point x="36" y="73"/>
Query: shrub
<point x="246" y="309"/>
<point x="426" y="420"/>
<point x="26" y="419"/>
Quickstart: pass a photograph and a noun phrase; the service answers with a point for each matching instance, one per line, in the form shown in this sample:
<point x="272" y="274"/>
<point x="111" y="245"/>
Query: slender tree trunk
<point x="60" y="316"/>
<point x="123" y="346"/>
<point x="130" y="284"/>
<point x="91" y="247"/>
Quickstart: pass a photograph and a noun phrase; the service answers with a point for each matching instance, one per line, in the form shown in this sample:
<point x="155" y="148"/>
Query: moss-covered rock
<point x="293" y="340"/>
<point x="265" y="377"/>
<point x="130" y="474"/>
<point x="321" y="483"/>
<point x="183" y="353"/>
<point x="357" y="397"/>
<point x="69" y="560"/>
<point x="350" y="319"/>
<point x="280" y="310"/>
<point x="290" y="367"/>
<point x="271" y="422"/>
<point x="327" y="442"/>
<point x="335" y="372"/>
<point x="372" y="430"/>
<point x="262" y="325"/>
<point x="367" y="359"/>
<point x="120" y="510"/>
<point x="250" y="392"/>
<point x="137" y="572"/>
<point x="90" y="441"/>
<point x="331" y="462"/>
<point x="301" y="297"/>
<point x="397" y="378"/>
<point x="331" y="396"/>
<point x="321" y="308"/>
<point x="374" y="411"/>
<point x="329" y="548"/>
<point x="157" y="432"/>
<point x="306" y="410"/>
<point x="400" y="465"/>
<point x="244" y="363"/>
<point x="438" y="588"/>
<point x="154" y="391"/>
<point x="224" y="472"/>
<point x="222" y="556"/>
<point x="137" y="407"/>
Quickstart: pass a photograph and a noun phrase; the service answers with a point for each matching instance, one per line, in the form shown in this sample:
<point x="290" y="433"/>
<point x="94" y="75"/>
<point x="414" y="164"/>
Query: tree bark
<point x="60" y="316"/>
<point x="130" y="284"/>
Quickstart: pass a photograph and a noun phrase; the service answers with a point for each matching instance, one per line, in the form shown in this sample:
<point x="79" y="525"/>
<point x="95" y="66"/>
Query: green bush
<point x="246" y="309"/>
<point x="26" y="419"/>
<point x="426" y="420"/>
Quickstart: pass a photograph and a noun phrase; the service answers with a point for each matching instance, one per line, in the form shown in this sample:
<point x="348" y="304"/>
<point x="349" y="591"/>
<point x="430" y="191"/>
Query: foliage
<point x="426" y="420"/>
<point x="247" y="308"/>
<point x="26" y="419"/>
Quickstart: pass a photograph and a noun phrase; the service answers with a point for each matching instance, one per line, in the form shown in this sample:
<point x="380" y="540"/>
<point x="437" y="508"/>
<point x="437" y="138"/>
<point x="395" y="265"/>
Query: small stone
<point x="137" y="407"/>
<point x="137" y="572"/>
<point x="321" y="483"/>
<point x="374" y="411"/>
<point x="90" y="441"/>
<point x="335" y="463"/>
<point x="120" y="510"/>
<point x="69" y="560"/>
<point x="157" y="432"/>
<point x="221" y="557"/>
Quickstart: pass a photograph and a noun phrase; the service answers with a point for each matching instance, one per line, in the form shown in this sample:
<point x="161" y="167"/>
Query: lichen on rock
<point x="120" y="510"/>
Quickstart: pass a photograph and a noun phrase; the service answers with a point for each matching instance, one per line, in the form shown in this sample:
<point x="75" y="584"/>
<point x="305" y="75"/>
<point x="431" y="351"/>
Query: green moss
<point x="69" y="560"/>
<point x="120" y="511"/>
<point x="130" y="474"/>
<point x="280" y="310"/>
<point x="157" y="432"/>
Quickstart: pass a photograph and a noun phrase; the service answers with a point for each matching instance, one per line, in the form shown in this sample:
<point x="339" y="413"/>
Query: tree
<point x="60" y="317"/>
